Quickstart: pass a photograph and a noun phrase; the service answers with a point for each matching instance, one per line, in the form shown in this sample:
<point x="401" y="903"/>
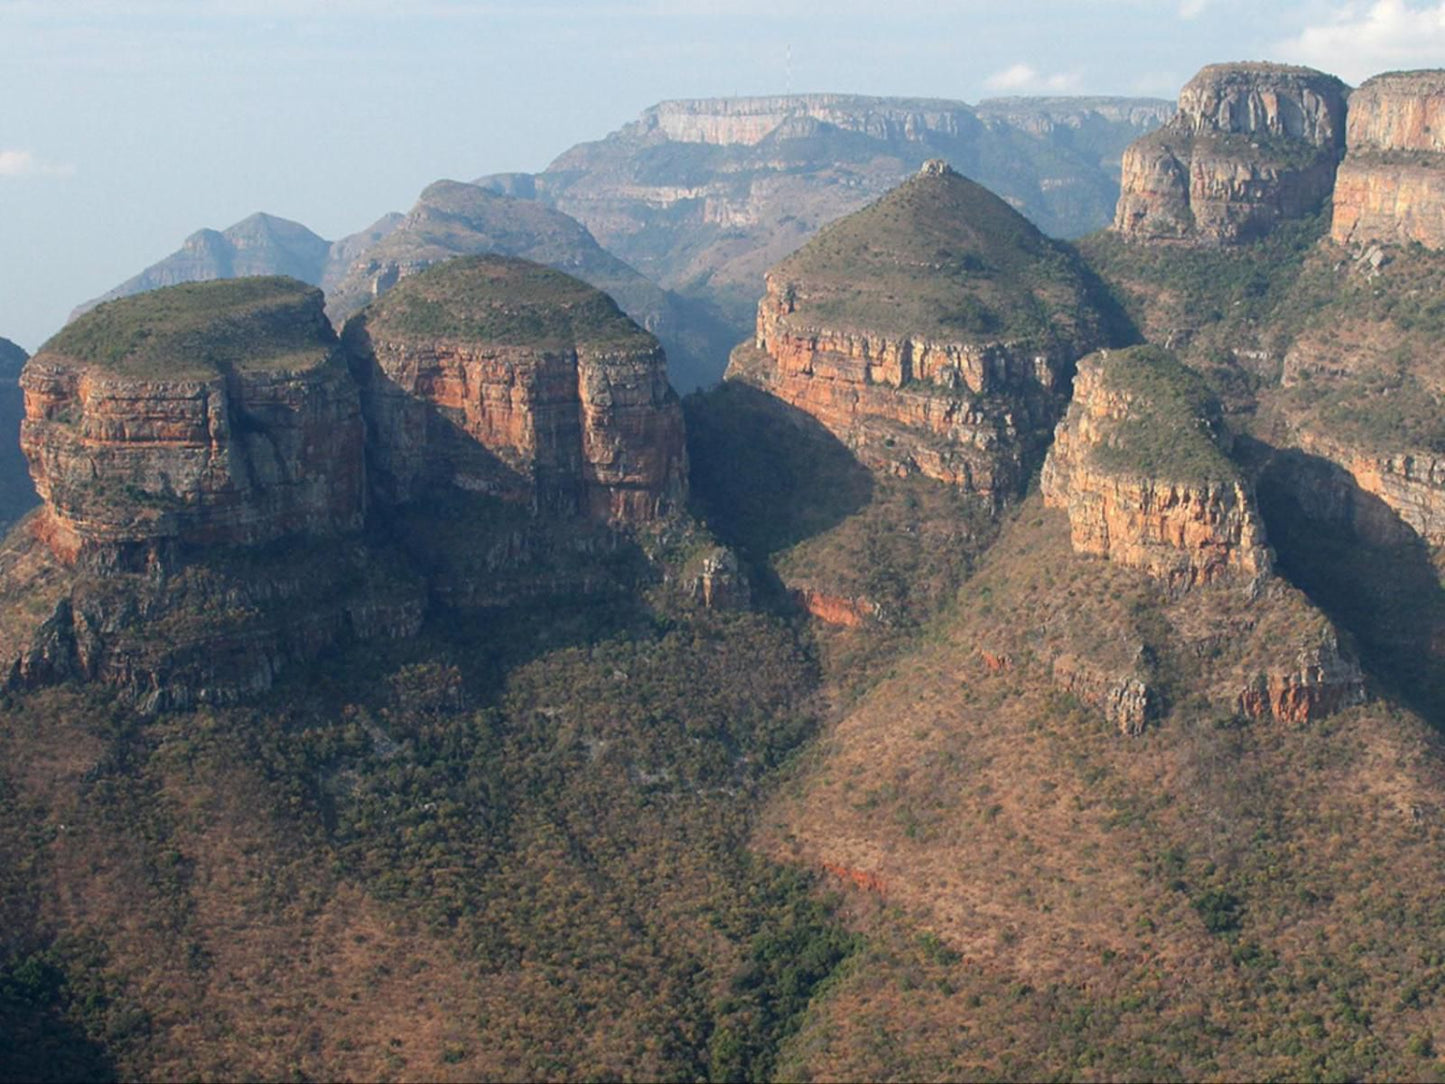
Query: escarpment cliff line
<point x="931" y="333"/>
<point x="1252" y="145"/>
<point x="499" y="376"/>
<point x="1391" y="185"/>
<point x="199" y="452"/>
<point x="1137" y="465"/>
<point x="218" y="415"/>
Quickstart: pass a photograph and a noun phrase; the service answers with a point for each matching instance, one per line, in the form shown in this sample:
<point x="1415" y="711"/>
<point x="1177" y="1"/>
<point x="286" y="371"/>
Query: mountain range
<point x="1025" y="662"/>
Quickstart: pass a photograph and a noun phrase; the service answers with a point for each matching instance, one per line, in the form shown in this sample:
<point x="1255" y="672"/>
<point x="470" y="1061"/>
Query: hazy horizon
<point x="131" y="124"/>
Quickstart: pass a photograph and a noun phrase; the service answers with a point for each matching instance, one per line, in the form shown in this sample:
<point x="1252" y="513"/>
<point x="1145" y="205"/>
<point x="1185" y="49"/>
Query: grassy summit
<point x="939" y="257"/>
<point x="199" y="329"/>
<point x="1173" y="422"/>
<point x="506" y="302"/>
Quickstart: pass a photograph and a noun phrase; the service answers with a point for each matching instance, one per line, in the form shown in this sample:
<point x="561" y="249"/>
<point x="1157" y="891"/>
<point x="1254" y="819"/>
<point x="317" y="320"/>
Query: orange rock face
<point x="1320" y="684"/>
<point x="1251" y="146"/>
<point x="1187" y="531"/>
<point x="963" y="413"/>
<point x="125" y="464"/>
<point x="1391" y="185"/>
<point x="569" y="430"/>
<point x="848" y="613"/>
<point x="516" y="401"/>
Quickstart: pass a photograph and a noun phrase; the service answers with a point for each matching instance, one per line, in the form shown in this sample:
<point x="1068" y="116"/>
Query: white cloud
<point x="1192" y="9"/>
<point x="20" y="163"/>
<point x="1364" y="39"/>
<point x="1018" y="78"/>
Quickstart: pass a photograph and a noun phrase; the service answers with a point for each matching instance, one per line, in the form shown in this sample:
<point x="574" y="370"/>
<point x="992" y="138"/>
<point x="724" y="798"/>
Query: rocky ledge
<point x="1138" y="463"/>
<point x="1391" y="185"/>
<point x="208" y="414"/>
<point x="930" y="332"/>
<point x="495" y="375"/>
<point x="1252" y="145"/>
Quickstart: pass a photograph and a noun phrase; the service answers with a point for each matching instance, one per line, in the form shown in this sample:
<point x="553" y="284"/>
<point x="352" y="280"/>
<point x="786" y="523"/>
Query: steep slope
<point x="1391" y="185"/>
<point x="1252" y="145"/>
<point x="1140" y="462"/>
<point x="199" y="453"/>
<point x="496" y="375"/>
<point x="1042" y="894"/>
<point x="703" y="196"/>
<point x="17" y="492"/>
<point x="259" y="245"/>
<point x="204" y="415"/>
<point x="933" y="333"/>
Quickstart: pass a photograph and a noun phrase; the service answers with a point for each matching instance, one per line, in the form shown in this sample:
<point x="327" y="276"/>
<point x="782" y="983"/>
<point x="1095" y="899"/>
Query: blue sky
<point x="127" y="124"/>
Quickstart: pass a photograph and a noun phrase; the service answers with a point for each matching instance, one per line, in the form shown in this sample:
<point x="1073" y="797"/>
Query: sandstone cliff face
<point x="1252" y="145"/>
<point x="576" y="417"/>
<point x="917" y="365"/>
<point x="1391" y="185"/>
<point x="199" y="453"/>
<point x="1319" y="681"/>
<point x="1410" y="485"/>
<point x="133" y="457"/>
<point x="1184" y="516"/>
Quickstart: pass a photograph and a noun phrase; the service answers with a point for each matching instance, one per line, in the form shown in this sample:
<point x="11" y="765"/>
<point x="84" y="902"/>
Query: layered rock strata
<point x="495" y="375"/>
<point x="1252" y="145"/>
<point x="1321" y="681"/>
<point x="1137" y="464"/>
<point x="1391" y="185"/>
<point x="930" y="333"/>
<point x="199" y="450"/>
<point x="209" y="414"/>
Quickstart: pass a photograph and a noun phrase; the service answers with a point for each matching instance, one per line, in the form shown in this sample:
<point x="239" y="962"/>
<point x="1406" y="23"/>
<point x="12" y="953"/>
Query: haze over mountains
<point x="701" y="197"/>
<point x="1028" y="662"/>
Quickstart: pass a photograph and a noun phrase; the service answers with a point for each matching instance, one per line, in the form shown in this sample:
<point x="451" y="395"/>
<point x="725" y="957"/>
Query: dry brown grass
<point x="1063" y="862"/>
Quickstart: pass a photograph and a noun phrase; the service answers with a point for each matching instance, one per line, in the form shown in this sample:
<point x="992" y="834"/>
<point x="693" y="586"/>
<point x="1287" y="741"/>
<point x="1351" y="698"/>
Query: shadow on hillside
<point x="766" y="475"/>
<point x="1368" y="570"/>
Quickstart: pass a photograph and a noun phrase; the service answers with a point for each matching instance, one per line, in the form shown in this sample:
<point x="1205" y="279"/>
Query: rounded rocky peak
<point x="199" y="330"/>
<point x="939" y="257"/>
<point x="1261" y="98"/>
<point x="502" y="301"/>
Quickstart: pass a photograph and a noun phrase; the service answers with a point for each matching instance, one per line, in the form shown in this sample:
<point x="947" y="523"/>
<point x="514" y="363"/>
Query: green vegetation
<point x="1173" y="428"/>
<point x="506" y="302"/>
<point x="200" y="329"/>
<point x="944" y="258"/>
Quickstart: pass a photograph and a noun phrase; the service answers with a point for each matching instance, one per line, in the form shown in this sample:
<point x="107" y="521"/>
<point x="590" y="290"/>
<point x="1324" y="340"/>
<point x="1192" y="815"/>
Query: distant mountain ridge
<point x="700" y="196"/>
<point x="260" y="244"/>
<point x="704" y="195"/>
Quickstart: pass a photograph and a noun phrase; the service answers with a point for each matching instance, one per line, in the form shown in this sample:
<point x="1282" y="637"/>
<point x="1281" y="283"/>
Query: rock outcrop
<point x="932" y="333"/>
<point x="1319" y="681"/>
<point x="199" y="450"/>
<point x="1252" y="145"/>
<point x="1137" y="463"/>
<point x="210" y="414"/>
<point x="495" y="375"/>
<point x="1391" y="185"/>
